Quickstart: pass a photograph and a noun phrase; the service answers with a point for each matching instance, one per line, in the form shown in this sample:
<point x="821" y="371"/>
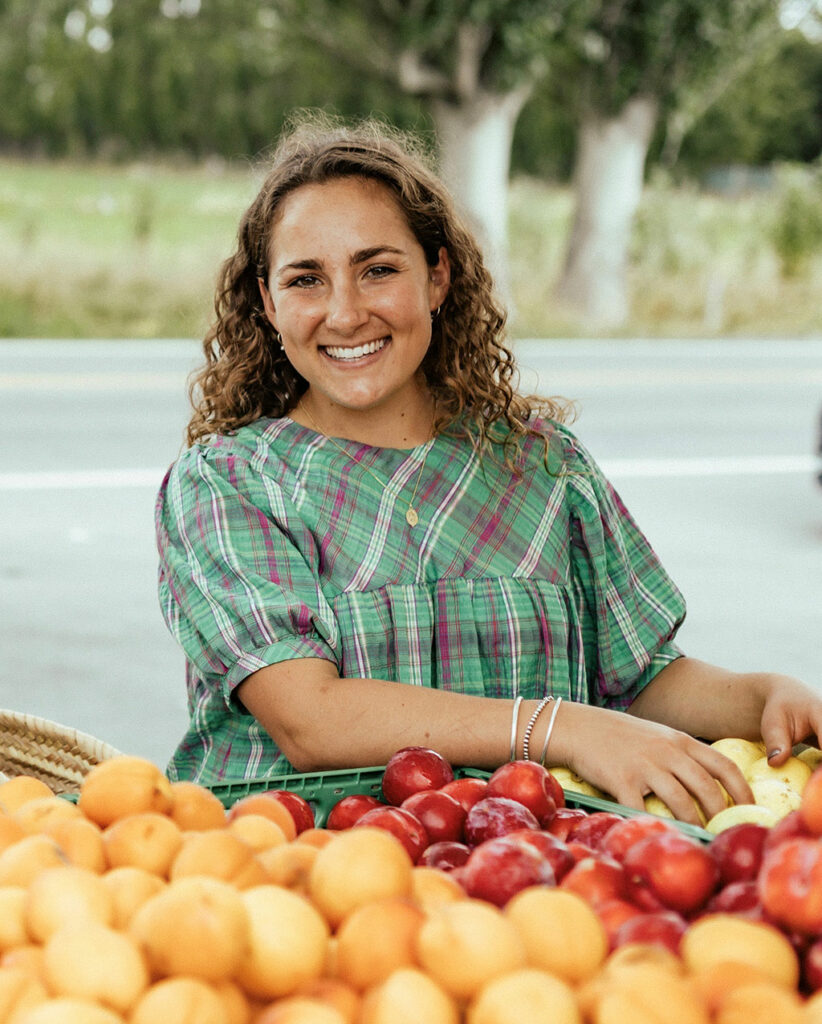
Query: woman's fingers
<point x="685" y="773"/>
<point x="672" y="793"/>
<point x="690" y="790"/>
<point x="722" y="769"/>
<point x="792" y="714"/>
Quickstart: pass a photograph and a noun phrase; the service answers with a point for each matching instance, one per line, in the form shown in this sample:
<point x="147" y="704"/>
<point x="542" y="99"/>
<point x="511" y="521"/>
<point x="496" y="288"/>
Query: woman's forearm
<point x="705" y="700"/>
<point x="321" y="721"/>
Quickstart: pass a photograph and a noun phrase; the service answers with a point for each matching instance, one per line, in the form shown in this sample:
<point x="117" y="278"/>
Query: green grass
<point x="133" y="252"/>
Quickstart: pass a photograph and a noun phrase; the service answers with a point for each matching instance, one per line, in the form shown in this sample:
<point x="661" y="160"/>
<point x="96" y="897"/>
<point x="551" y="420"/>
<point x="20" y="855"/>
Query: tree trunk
<point x="608" y="181"/>
<point x="475" y="139"/>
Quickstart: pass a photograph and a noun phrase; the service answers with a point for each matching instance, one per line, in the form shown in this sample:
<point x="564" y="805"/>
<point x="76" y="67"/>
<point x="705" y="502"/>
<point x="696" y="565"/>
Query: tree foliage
<point x="125" y="77"/>
<point x="772" y="112"/>
<point x="429" y="48"/>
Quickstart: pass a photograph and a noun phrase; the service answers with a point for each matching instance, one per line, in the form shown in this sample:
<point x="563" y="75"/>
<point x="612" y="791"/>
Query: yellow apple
<point x="740" y="813"/>
<point x="576" y="784"/>
<point x="653" y="805"/>
<point x="793" y="772"/>
<point x="742" y="752"/>
<point x="775" y="794"/>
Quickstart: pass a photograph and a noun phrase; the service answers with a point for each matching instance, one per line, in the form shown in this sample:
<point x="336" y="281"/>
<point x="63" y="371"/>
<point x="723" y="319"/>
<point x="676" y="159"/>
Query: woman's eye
<point x="304" y="281"/>
<point x="380" y="271"/>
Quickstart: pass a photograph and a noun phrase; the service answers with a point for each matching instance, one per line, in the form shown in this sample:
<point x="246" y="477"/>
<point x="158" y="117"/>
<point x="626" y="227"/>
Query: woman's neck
<point x="406" y="427"/>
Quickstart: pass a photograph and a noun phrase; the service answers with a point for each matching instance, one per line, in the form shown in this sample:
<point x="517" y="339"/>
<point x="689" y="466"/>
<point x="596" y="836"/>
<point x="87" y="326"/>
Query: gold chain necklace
<point x="411" y="515"/>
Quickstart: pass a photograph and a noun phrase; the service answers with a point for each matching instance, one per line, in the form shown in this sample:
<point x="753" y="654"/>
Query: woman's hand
<point x="791" y="713"/>
<point x="630" y="758"/>
<point x="692" y="698"/>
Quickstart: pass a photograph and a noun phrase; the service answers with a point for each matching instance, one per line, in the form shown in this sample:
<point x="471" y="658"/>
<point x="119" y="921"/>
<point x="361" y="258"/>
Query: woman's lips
<point x="350" y="353"/>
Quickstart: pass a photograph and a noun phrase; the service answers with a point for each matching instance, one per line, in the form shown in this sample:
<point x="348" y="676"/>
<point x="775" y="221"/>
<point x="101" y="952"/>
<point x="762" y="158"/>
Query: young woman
<point x="374" y="541"/>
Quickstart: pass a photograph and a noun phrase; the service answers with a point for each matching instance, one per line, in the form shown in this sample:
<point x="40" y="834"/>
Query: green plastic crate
<point x="324" y="789"/>
<point x="321" y="789"/>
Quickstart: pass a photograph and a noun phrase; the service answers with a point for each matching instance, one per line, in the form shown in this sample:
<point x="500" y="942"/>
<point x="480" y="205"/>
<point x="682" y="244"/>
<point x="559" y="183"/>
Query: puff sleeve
<point x="629" y="607"/>
<point x="237" y="580"/>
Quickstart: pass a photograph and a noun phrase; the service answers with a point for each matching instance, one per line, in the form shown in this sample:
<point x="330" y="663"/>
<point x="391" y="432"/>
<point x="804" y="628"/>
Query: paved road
<point x="710" y="445"/>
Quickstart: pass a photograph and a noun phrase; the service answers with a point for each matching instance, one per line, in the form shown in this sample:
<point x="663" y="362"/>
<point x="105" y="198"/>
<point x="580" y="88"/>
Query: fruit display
<point x="448" y="897"/>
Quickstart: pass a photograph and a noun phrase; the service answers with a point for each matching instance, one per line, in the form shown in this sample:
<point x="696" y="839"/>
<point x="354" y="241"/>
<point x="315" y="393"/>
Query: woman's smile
<point x="351" y="353"/>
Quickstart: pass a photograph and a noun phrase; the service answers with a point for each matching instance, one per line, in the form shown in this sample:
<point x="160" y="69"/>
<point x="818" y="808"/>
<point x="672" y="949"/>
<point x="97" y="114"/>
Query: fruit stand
<point x="411" y="893"/>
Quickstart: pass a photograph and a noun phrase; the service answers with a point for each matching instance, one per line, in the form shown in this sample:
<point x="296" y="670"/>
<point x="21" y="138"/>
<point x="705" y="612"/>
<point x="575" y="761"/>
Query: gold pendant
<point x="411" y="516"/>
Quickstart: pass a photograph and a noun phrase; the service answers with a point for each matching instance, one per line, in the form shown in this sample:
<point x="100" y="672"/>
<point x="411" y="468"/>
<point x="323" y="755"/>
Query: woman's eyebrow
<point x="307" y="264"/>
<point x="360" y="256"/>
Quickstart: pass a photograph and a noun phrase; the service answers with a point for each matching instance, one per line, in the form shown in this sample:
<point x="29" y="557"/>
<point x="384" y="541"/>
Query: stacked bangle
<point x="514" y="723"/>
<point x="530" y="727"/>
<point x="550" y="729"/>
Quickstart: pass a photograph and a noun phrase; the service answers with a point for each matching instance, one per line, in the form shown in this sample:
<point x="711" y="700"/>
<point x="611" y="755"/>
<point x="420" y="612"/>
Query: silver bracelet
<point x="550" y="729"/>
<point x="514" y="722"/>
<point x="530" y="727"/>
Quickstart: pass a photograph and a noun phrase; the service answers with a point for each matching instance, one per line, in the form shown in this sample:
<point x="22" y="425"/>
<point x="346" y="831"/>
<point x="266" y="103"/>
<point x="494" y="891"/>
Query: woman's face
<point x="351" y="294"/>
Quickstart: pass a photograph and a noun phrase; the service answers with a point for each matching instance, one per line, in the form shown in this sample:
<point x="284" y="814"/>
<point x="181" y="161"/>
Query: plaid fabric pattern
<point x="276" y="545"/>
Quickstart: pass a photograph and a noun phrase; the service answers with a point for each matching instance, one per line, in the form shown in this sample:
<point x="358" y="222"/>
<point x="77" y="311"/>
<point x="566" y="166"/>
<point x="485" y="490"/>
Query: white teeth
<point x="357" y="352"/>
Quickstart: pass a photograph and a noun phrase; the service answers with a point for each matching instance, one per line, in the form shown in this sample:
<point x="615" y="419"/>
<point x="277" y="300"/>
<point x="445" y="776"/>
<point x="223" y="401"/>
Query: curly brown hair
<point x="468" y="368"/>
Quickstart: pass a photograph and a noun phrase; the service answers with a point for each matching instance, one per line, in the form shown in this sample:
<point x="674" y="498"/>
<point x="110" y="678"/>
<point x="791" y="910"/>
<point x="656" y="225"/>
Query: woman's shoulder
<point x="558" y="441"/>
<point x="255" y="446"/>
<point x="244" y="443"/>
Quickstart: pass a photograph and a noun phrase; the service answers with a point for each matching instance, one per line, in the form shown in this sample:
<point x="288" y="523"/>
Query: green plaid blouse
<point x="274" y="544"/>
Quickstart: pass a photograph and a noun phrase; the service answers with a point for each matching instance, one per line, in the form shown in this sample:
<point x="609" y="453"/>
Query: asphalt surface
<point x="711" y="445"/>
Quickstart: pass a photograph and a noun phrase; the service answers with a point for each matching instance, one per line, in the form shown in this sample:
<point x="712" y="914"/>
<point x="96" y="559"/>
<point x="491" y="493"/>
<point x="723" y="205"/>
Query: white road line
<point x="732" y="465"/>
<point x="720" y="465"/>
<point x="103" y="381"/>
<point x="73" y="480"/>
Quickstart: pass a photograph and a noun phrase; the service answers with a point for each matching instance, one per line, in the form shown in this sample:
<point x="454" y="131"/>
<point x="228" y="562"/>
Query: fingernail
<point x="774" y="753"/>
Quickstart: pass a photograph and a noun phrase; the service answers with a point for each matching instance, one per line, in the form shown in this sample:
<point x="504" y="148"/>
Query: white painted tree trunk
<point x="608" y="180"/>
<point x="475" y="158"/>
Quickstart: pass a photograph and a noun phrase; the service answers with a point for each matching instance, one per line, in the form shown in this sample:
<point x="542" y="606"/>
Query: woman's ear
<point x="439" y="279"/>
<point x="268" y="303"/>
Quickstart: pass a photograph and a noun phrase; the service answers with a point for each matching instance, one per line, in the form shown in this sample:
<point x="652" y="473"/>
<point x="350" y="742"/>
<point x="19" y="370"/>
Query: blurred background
<point x="646" y="179"/>
<point x="646" y="167"/>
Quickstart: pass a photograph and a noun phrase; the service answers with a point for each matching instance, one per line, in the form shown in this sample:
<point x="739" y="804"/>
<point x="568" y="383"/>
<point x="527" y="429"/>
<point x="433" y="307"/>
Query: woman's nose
<point x="346" y="309"/>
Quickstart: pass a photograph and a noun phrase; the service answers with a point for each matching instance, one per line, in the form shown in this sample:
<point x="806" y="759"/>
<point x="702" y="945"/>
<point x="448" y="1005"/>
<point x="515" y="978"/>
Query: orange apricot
<point x="23" y="860"/>
<point x="19" y="991"/>
<point x="63" y="896"/>
<point x="13" y="930"/>
<point x="38" y="814"/>
<point x="179" y="999"/>
<point x="19" y="790"/>
<point x="124" y="785"/>
<point x="130" y="887"/>
<point x="220" y="854"/>
<point x="195" y="926"/>
<point x="195" y="808"/>
<point x="287" y="942"/>
<point x="361" y="865"/>
<point x="81" y="841"/>
<point x="268" y="807"/>
<point x="377" y="939"/>
<point x="92" y="961"/>
<point x="146" y="840"/>
<point x="463" y="945"/>
<point x="289" y="865"/>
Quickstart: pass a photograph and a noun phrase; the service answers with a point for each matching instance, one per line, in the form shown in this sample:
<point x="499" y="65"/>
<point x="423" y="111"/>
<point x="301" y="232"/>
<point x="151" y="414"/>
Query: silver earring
<point x="435" y="312"/>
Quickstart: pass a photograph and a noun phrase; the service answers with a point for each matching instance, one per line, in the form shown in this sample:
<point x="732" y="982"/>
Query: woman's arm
<point x="712" y="702"/>
<point x="321" y="721"/>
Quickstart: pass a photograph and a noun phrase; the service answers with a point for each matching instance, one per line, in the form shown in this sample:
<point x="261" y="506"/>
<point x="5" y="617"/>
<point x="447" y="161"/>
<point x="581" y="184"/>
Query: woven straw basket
<point x="56" y="754"/>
